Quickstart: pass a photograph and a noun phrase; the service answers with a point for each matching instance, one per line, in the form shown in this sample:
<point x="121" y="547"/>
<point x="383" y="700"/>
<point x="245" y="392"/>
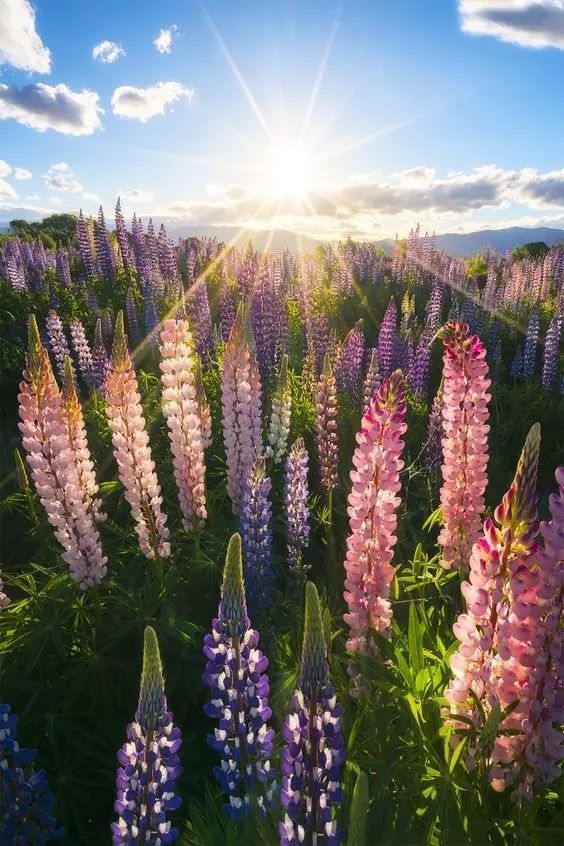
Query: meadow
<point x="282" y="542"/>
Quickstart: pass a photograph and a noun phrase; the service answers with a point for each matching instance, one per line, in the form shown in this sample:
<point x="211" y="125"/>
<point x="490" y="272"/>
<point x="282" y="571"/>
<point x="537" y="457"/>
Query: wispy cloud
<point x="6" y="190"/>
<point x="22" y="173"/>
<point x="144" y="103"/>
<point x="59" y="177"/>
<point x="530" y="23"/>
<point x="163" y="41"/>
<point x="137" y="195"/>
<point x="56" y="107"/>
<point x="20" y="45"/>
<point x="108" y="52"/>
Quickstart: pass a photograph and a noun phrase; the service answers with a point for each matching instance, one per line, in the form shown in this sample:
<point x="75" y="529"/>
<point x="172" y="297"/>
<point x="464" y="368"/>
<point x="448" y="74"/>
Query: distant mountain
<point x="273" y="240"/>
<point x="459" y="244"/>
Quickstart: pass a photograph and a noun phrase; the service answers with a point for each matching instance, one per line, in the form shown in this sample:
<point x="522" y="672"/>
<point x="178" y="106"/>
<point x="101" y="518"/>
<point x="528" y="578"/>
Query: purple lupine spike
<point x="227" y="308"/>
<point x="314" y="750"/>
<point x="387" y="340"/>
<point x="100" y="359"/>
<point x="296" y="507"/>
<point x="432" y="449"/>
<point x="138" y="237"/>
<point x="133" y="330"/>
<point x="122" y="237"/>
<point x="551" y="345"/>
<point x="82" y="351"/>
<point x="517" y="366"/>
<point x="151" y="320"/>
<point x="256" y="532"/>
<point x="85" y="247"/>
<point x="200" y="318"/>
<point x="264" y="319"/>
<point x="107" y="328"/>
<point x="153" y="260"/>
<point x="25" y="798"/>
<point x="497" y="367"/>
<point x="104" y="251"/>
<point x="149" y="762"/>
<point x="422" y="363"/>
<point x="530" y="350"/>
<point x="62" y="265"/>
<point x="372" y="379"/>
<point x="57" y="341"/>
<point x="351" y="360"/>
<point x="235" y="675"/>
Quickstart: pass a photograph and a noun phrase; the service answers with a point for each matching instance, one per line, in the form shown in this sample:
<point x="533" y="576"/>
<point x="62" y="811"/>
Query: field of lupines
<point x="312" y="504"/>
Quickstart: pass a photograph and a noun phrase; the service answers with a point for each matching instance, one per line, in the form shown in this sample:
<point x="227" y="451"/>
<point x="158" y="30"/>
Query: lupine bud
<point x="132" y="452"/>
<point x="256" y="531"/>
<point x="314" y="753"/>
<point x="280" y="416"/>
<point x="326" y="427"/>
<point x="25" y="798"/>
<point x="181" y="411"/>
<point x="235" y="675"/>
<point x="465" y="443"/>
<point x="149" y="763"/>
<point x="53" y="466"/>
<point x="296" y="507"/>
<point x="373" y="502"/>
<point x="241" y="402"/>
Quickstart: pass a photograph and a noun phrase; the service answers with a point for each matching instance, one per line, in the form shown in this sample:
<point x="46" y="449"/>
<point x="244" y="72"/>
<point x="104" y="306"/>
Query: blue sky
<point x="327" y="118"/>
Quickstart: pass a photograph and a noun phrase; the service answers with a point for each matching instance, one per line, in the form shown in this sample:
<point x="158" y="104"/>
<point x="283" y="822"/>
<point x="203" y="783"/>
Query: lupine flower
<point x="57" y="341"/>
<point x="104" y="252"/>
<point x="517" y="365"/>
<point x="107" y="328"/>
<point x="256" y="531"/>
<point x="326" y="438"/>
<point x="149" y="763"/>
<point x="465" y="443"/>
<point x="122" y="237"/>
<point x="373" y="502"/>
<point x="241" y="402"/>
<point x="181" y="411"/>
<point x="132" y="321"/>
<point x="550" y="361"/>
<point x="203" y="404"/>
<point x="432" y="454"/>
<point x="136" y="467"/>
<point x="280" y="416"/>
<point x="498" y="634"/>
<point x="387" y="340"/>
<point x="235" y="674"/>
<point x="100" y="359"/>
<point x="314" y="753"/>
<point x="530" y="349"/>
<point x="25" y="798"/>
<point x="82" y="351"/>
<point x="78" y="446"/>
<point x="296" y="507"/>
<point x="53" y="466"/>
<point x="372" y="379"/>
<point x="85" y="247"/>
<point x="350" y="362"/>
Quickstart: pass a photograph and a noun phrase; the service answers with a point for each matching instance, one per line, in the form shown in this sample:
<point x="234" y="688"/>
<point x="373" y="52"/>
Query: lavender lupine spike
<point x="62" y="267"/>
<point x="280" y="416"/>
<point x="550" y="361"/>
<point x="326" y="427"/>
<point x="149" y="763"/>
<point x="203" y="404"/>
<point x="432" y="450"/>
<point x="132" y="320"/>
<point x="256" y="531"/>
<point x="387" y="340"/>
<point x="25" y="798"/>
<point x="104" y="251"/>
<point x="351" y="360"/>
<point x="235" y="675"/>
<point x="100" y="359"/>
<point x="314" y="753"/>
<point x="82" y="351"/>
<point x="57" y="341"/>
<point x="122" y="237"/>
<point x="372" y="379"/>
<point x="530" y="350"/>
<point x="85" y="247"/>
<point x="296" y="507"/>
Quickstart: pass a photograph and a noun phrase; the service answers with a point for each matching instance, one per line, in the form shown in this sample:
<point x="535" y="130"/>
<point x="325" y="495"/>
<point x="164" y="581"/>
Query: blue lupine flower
<point x="256" y="532"/>
<point x="296" y="507"/>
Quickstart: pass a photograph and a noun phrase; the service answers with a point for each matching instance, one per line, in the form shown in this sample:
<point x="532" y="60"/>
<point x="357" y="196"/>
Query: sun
<point x="289" y="171"/>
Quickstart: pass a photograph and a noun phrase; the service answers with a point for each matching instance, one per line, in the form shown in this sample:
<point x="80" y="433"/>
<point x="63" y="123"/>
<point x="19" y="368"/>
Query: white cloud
<point x="32" y="197"/>
<point x="144" y="103"/>
<point x="163" y="41"/>
<point x="59" y="177"/>
<point x="22" y="173"/>
<point x="529" y="23"/>
<point x="5" y="169"/>
<point x="20" y="45"/>
<point x="94" y="198"/>
<point x="56" y="107"/>
<point x="138" y="195"/>
<point x="56" y="200"/>
<point x="108" y="52"/>
<point x="6" y="190"/>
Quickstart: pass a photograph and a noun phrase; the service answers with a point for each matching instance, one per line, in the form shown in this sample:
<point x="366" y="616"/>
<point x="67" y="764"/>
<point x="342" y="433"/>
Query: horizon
<point x="330" y="121"/>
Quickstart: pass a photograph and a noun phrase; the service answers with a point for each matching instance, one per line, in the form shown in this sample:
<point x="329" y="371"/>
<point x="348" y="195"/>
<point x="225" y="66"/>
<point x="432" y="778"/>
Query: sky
<point x="328" y="118"/>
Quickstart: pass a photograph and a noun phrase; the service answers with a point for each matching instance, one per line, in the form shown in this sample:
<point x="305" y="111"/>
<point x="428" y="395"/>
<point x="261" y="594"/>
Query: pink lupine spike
<point x="132" y="452"/>
<point x="54" y="468"/>
<point x="326" y="438"/>
<point x="241" y="403"/>
<point x="78" y="444"/>
<point x="182" y="413"/>
<point x="501" y="632"/>
<point x="465" y="447"/>
<point x="373" y="503"/>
